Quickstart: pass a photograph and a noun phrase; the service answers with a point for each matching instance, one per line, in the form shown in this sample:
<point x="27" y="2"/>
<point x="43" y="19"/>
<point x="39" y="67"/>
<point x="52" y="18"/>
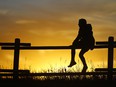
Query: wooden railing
<point x="17" y="46"/>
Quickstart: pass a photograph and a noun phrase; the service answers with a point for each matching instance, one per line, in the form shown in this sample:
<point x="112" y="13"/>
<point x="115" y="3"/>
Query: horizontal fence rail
<point x="17" y="46"/>
<point x="58" y="74"/>
<point x="51" y="47"/>
<point x="12" y="44"/>
<point x="11" y="71"/>
<point x="105" y="69"/>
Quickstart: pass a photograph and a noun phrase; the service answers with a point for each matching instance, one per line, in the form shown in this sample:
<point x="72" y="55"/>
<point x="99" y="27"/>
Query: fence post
<point x="110" y="57"/>
<point x="16" y="58"/>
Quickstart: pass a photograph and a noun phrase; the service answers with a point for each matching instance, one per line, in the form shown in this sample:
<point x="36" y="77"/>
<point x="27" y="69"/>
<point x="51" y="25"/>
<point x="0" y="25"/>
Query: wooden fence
<point x="17" y="46"/>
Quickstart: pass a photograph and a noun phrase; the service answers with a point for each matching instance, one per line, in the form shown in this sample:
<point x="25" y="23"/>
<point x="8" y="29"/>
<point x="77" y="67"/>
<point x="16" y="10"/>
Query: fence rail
<point x="58" y="74"/>
<point x="51" y="47"/>
<point x="17" y="46"/>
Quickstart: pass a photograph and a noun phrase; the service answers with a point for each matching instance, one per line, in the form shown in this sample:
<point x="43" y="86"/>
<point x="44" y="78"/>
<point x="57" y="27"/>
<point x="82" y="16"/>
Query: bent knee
<point x="80" y="55"/>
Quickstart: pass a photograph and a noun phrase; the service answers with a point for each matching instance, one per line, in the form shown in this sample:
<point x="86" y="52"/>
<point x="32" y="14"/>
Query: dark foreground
<point x="57" y="83"/>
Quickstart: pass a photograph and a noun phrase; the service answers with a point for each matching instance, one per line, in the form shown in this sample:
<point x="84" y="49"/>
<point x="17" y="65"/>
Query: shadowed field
<point x="57" y="83"/>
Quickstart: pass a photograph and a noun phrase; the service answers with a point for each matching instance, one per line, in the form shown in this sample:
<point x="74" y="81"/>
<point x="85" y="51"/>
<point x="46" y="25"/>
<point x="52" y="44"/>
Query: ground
<point x="57" y="83"/>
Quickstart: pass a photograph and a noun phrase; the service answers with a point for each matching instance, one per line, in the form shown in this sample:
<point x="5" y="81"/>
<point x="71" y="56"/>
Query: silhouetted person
<point x="85" y="40"/>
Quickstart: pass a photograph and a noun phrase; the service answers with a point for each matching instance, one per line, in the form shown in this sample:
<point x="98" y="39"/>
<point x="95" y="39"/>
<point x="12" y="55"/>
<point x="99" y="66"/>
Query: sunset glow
<point x="54" y="23"/>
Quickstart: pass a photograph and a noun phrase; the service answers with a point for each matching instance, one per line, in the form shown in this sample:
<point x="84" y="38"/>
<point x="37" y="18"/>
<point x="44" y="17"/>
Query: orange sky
<point x="54" y="22"/>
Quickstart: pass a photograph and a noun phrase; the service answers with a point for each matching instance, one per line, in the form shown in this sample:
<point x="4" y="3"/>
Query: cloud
<point x="52" y="16"/>
<point x="54" y="22"/>
<point x="59" y="9"/>
<point x="3" y="12"/>
<point x="25" y="21"/>
<point x="64" y="10"/>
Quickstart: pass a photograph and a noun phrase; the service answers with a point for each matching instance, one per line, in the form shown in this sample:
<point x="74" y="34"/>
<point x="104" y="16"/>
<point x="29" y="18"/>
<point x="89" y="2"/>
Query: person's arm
<point x="77" y="38"/>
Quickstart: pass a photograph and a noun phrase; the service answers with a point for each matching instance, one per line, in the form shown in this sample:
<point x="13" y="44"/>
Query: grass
<point x="59" y="77"/>
<point x="52" y="69"/>
<point x="59" y="81"/>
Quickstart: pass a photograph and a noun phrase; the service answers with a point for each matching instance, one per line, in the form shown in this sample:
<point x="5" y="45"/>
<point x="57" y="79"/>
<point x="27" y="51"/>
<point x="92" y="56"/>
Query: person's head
<point x="82" y="22"/>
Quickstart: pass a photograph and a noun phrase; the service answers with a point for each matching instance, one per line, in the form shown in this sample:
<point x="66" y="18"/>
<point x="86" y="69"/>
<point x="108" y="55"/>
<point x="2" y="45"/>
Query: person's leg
<point x="81" y="55"/>
<point x="72" y="57"/>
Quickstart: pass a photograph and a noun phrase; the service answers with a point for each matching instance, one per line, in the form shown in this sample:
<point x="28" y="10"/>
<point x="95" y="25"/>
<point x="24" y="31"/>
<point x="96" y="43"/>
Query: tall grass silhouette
<point x="62" y="69"/>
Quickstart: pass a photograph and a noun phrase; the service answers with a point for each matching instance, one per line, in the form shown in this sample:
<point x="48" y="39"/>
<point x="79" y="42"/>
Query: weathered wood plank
<point x="49" y="47"/>
<point x="11" y="70"/>
<point x="103" y="43"/>
<point x="59" y="74"/>
<point x="104" y="69"/>
<point x="12" y="44"/>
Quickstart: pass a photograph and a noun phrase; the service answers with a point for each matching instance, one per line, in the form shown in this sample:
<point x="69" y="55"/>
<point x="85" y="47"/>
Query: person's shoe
<point x="84" y="69"/>
<point x="72" y="64"/>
